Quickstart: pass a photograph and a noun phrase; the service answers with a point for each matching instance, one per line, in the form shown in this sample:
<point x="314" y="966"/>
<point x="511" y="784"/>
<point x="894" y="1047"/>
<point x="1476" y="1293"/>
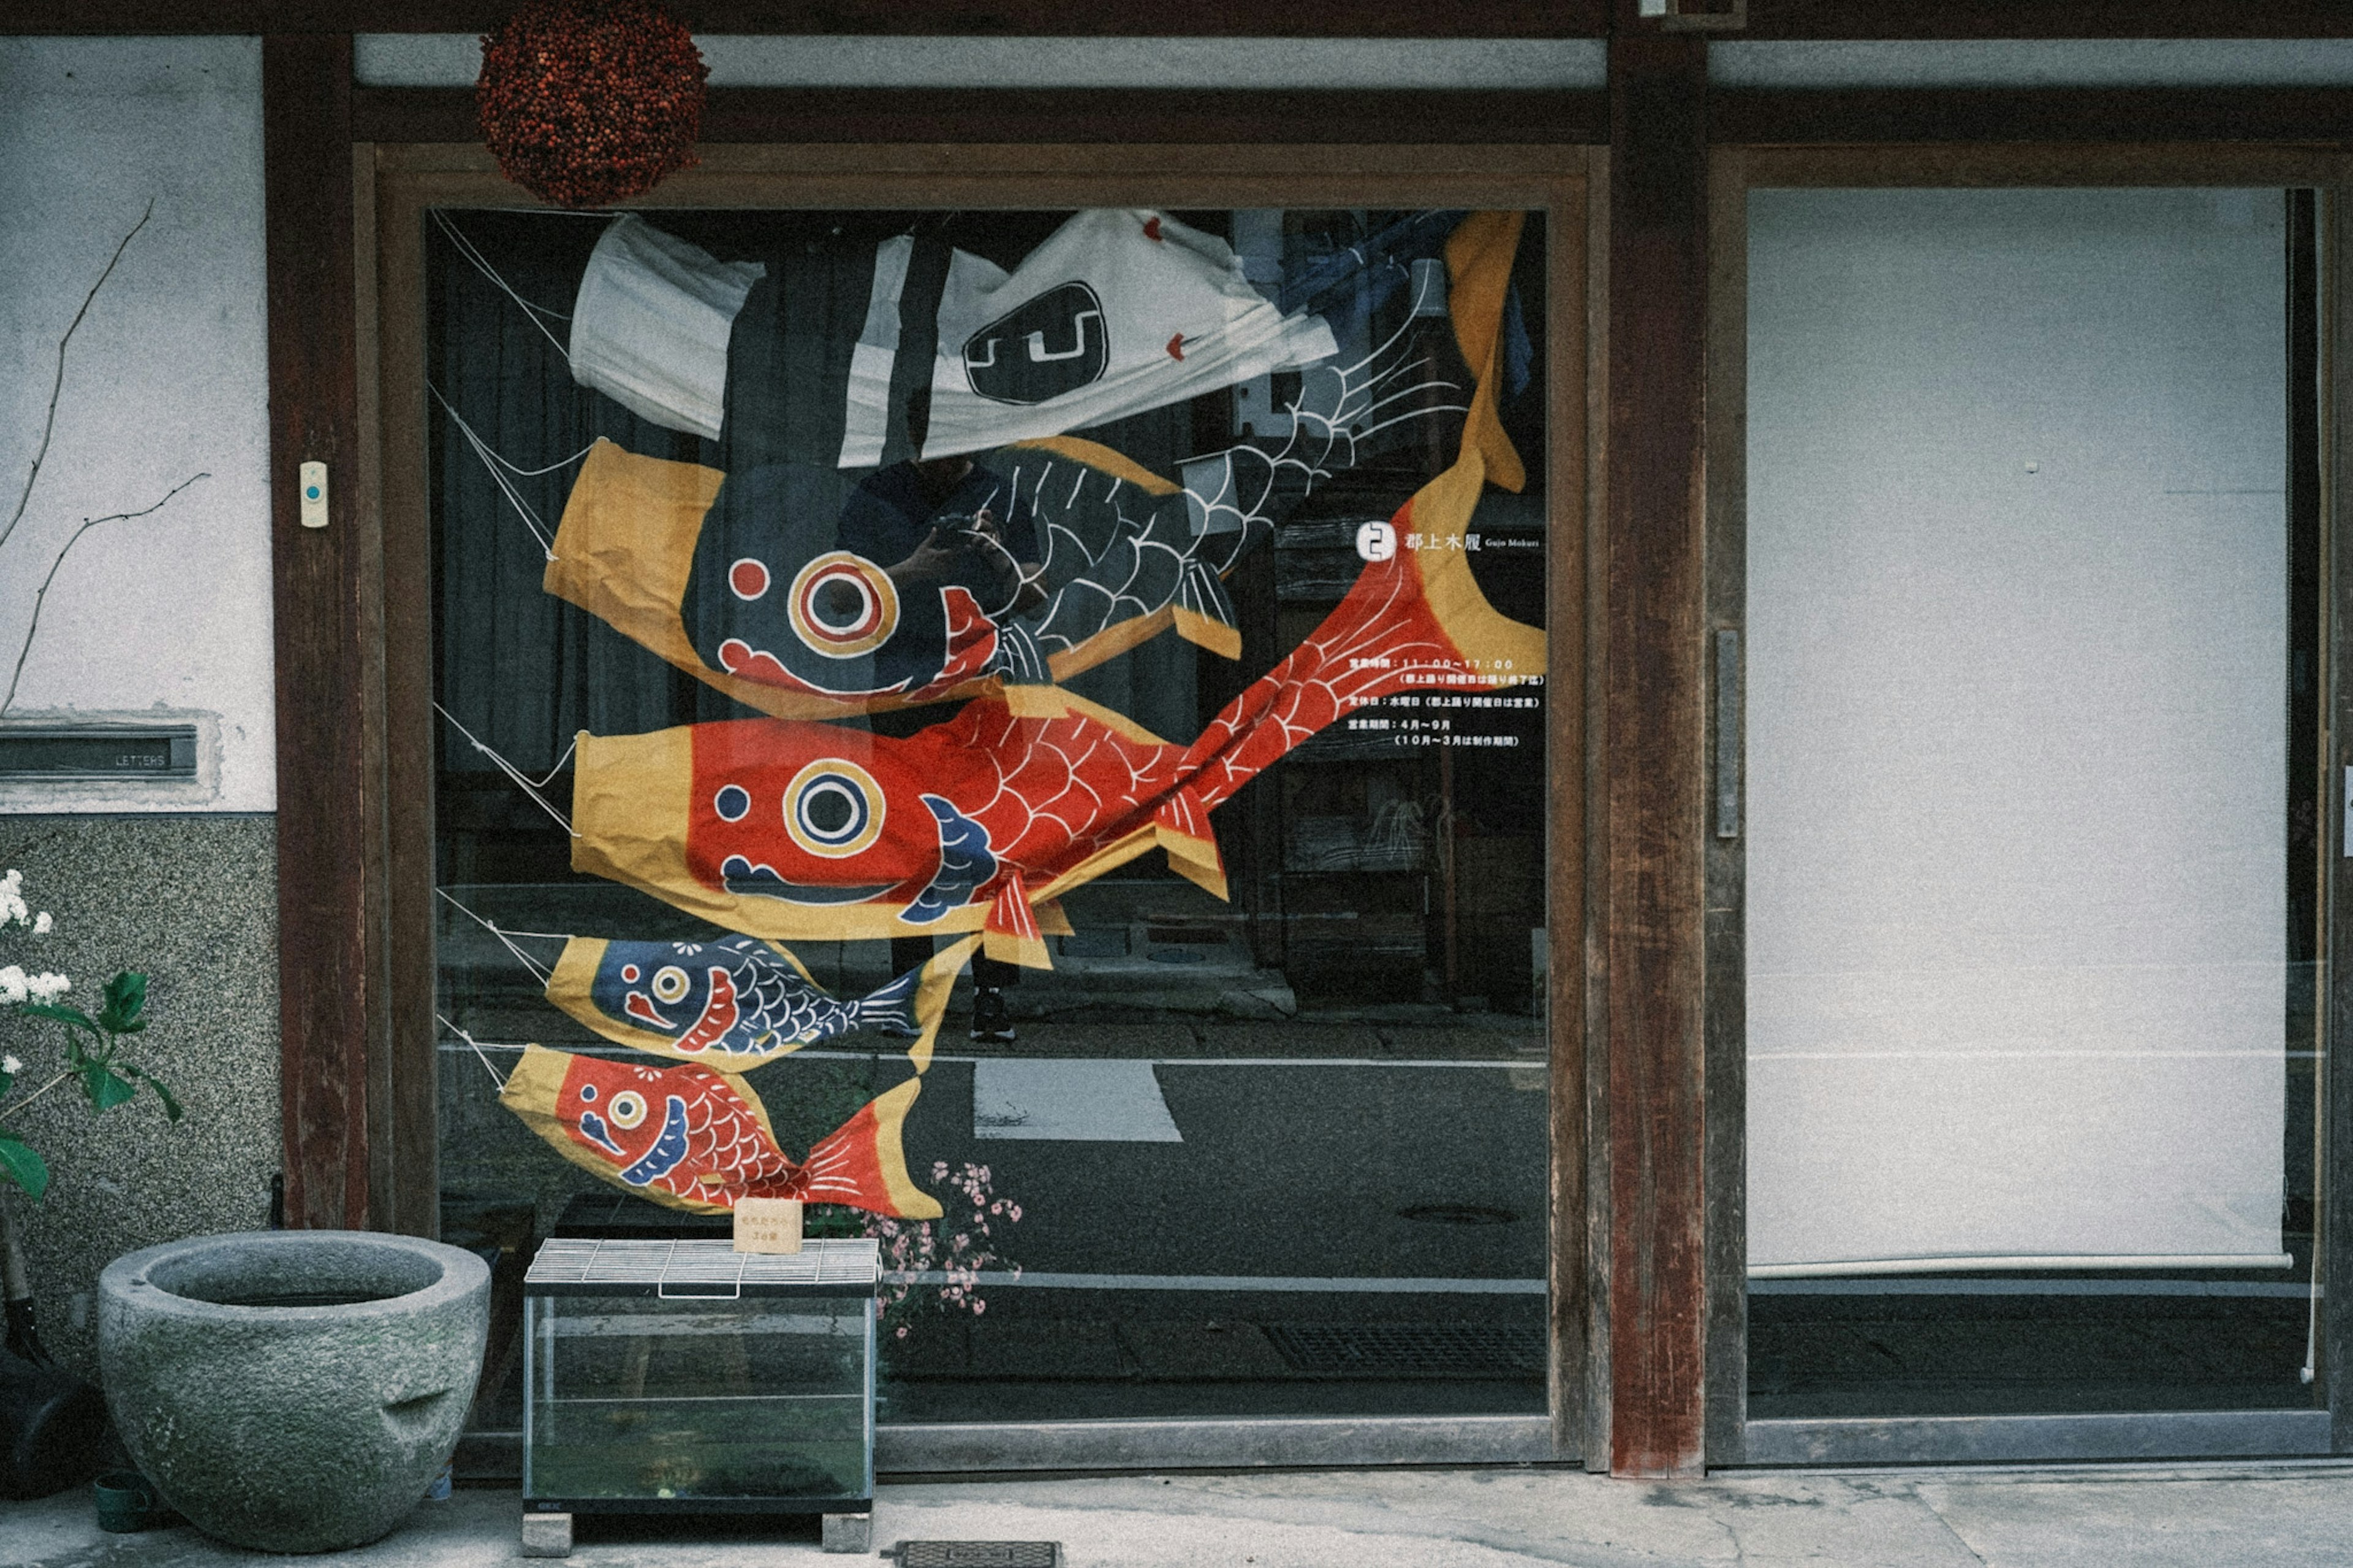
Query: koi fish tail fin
<point x="1010" y="935"/>
<point x="863" y="1164"/>
<point x="1203" y="614"/>
<point x="1051" y="920"/>
<point x="1018" y="657"/>
<point x="890" y="1009"/>
<point x="1415" y="620"/>
<point x="1181" y="826"/>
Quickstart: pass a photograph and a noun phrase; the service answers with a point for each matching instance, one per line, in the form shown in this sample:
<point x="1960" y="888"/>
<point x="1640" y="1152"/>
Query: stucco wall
<point x="166" y="378"/>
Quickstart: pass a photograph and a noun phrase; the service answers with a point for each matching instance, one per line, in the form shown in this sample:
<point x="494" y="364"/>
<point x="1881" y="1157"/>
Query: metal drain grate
<point x="980" y="1554"/>
<point x="1411" y="1350"/>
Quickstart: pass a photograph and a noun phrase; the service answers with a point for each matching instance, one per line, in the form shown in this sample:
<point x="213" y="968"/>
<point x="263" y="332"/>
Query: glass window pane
<point x="2030" y="1038"/>
<point x="1154" y="598"/>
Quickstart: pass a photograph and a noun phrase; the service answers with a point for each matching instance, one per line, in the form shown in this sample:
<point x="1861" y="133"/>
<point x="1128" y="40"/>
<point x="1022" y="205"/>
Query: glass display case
<point x="683" y="1375"/>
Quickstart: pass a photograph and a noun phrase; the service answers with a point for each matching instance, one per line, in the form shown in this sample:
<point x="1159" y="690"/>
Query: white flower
<point x="11" y="1066"/>
<point x="12" y="899"/>
<point x="48" y="987"/>
<point x="12" y="984"/>
<point x="41" y="924"/>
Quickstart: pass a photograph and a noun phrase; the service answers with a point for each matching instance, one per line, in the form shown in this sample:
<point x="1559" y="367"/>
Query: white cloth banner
<point x="2016" y="767"/>
<point x="1120" y="310"/>
<point x="651" y="325"/>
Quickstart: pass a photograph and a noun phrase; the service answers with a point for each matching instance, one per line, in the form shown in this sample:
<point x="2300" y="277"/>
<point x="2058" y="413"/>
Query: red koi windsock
<point x="689" y="1138"/>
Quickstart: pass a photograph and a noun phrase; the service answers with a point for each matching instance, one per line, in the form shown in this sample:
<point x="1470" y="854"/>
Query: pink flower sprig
<point x="959" y="1246"/>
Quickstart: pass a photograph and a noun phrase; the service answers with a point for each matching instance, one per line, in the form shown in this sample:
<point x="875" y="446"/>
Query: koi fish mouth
<point x="593" y="1128"/>
<point x="644" y="1012"/>
<point x="669" y="1148"/>
<point x="740" y="875"/>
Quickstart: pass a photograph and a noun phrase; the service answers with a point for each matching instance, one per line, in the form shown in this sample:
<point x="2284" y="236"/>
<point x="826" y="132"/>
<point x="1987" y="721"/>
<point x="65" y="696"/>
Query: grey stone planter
<point x="290" y="1426"/>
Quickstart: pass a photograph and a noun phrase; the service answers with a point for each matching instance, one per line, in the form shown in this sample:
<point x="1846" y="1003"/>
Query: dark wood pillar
<point x="1651" y="749"/>
<point x="327" y="844"/>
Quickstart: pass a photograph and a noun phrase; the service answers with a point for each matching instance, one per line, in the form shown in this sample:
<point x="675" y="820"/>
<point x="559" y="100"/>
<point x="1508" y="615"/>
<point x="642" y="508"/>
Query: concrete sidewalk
<point x="2193" y="1517"/>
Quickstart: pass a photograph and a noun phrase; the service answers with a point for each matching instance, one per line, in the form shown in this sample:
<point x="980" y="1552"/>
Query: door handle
<point x="1727" y="734"/>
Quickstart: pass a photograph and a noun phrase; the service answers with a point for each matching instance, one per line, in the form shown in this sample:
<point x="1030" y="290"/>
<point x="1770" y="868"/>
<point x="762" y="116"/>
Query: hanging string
<point x="480" y="1054"/>
<point x="549" y="778"/>
<point x="473" y="253"/>
<point x="529" y="963"/>
<point x="532" y="312"/>
<point x="534" y="473"/>
<point x="492" y="464"/>
<point x="514" y="774"/>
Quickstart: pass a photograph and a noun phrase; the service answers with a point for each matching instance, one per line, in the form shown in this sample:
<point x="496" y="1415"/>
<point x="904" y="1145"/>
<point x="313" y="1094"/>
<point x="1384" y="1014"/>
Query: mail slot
<point x="66" y="752"/>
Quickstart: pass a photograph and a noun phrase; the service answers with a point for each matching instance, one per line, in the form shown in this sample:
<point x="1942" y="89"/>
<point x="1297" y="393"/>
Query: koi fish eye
<point x="843" y="606"/>
<point x="833" y="808"/>
<point x="748" y="578"/>
<point x="628" y="1109"/>
<point x="670" y="982"/>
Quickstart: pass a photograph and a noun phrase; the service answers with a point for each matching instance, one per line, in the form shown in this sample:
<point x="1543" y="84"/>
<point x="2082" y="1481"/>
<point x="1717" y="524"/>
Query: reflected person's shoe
<point x="991" y="1021"/>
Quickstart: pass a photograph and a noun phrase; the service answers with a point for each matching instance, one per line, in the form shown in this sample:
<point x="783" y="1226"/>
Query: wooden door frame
<point x="1733" y="171"/>
<point x="397" y="183"/>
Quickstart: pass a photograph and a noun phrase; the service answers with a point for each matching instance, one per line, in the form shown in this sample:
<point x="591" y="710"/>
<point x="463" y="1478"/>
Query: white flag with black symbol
<point x="1120" y="311"/>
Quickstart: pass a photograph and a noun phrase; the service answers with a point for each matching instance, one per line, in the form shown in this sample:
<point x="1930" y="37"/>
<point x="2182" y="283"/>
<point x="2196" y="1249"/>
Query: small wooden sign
<point x="767" y="1225"/>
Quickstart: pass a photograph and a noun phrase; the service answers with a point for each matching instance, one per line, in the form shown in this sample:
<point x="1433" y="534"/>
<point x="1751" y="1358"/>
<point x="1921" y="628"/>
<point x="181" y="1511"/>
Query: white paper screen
<point x="2016" y="745"/>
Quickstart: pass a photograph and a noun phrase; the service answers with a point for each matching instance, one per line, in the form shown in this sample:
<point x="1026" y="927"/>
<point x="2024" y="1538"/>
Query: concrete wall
<point x="166" y="378"/>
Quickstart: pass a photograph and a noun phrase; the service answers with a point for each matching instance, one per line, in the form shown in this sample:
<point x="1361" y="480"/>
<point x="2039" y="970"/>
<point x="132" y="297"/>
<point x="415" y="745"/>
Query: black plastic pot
<point x="52" y="1429"/>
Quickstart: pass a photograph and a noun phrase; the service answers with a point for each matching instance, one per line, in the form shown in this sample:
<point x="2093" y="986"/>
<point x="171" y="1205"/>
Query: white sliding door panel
<point x="2017" y="626"/>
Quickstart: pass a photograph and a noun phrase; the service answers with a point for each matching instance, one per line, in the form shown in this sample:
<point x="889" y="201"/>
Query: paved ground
<point x="2271" y="1516"/>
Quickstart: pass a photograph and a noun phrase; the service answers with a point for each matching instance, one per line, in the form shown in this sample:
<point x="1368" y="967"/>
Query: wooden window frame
<point x="395" y="185"/>
<point x="1733" y="172"/>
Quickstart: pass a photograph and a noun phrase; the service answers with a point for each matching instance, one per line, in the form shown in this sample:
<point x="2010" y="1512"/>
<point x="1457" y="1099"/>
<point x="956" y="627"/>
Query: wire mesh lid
<point x="702" y="1270"/>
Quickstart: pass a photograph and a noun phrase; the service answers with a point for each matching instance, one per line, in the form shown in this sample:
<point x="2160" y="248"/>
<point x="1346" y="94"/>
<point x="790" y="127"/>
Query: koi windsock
<point x="689" y="1138"/>
<point x="736" y="1003"/>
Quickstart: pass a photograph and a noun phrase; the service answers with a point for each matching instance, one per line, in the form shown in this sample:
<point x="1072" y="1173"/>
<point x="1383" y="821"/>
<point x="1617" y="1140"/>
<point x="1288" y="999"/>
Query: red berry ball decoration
<point x="588" y="103"/>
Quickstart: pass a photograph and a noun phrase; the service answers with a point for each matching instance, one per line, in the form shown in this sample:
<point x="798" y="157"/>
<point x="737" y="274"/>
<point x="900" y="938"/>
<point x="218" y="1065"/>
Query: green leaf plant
<point x="97" y="1058"/>
<point x="94" y="1045"/>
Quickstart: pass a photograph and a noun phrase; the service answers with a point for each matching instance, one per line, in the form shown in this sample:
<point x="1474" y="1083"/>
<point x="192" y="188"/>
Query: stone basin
<point x="292" y="1391"/>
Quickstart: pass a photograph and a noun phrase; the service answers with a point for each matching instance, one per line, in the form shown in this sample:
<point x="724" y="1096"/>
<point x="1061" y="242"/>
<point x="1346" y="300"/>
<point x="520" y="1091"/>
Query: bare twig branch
<point x="87" y="524"/>
<point x="25" y="1100"/>
<point x="49" y="425"/>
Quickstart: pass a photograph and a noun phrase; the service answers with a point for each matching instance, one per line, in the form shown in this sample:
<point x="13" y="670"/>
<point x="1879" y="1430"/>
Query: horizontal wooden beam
<point x="2040" y="114"/>
<point x="1231" y="18"/>
<point x="1002" y="18"/>
<point x="980" y="115"/>
<point x="2045" y="20"/>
